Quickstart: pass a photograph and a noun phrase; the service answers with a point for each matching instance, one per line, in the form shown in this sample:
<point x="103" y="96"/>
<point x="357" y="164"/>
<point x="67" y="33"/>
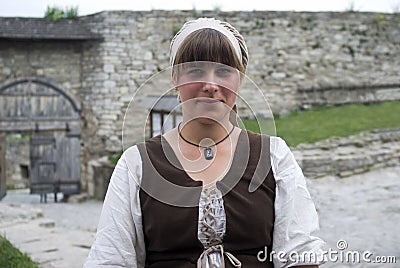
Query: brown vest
<point x="170" y="231"/>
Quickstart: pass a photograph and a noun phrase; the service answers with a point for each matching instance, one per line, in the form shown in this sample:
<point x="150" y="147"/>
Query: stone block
<point x="109" y="84"/>
<point x="108" y="68"/>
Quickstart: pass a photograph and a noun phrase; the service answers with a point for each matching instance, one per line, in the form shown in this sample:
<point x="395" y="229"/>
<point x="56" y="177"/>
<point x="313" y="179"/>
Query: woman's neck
<point x="196" y="131"/>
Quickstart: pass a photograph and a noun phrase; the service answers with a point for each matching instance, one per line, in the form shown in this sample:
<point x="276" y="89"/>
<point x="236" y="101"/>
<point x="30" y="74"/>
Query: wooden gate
<point x="68" y="156"/>
<point x="55" y="165"/>
<point x="42" y="177"/>
<point x="52" y="118"/>
<point x="2" y="165"/>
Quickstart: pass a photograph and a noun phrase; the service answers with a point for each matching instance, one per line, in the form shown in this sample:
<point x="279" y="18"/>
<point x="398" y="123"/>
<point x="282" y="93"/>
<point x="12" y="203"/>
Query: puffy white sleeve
<point x="295" y="214"/>
<point x="119" y="239"/>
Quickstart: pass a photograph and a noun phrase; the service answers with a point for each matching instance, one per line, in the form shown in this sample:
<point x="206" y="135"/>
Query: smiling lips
<point x="209" y="100"/>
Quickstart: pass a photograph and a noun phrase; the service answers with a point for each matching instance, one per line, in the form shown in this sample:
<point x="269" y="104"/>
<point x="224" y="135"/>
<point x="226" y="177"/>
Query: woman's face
<point x="207" y="89"/>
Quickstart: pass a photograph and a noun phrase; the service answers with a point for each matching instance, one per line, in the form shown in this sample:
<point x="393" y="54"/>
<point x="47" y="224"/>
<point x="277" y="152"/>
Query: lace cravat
<point x="211" y="230"/>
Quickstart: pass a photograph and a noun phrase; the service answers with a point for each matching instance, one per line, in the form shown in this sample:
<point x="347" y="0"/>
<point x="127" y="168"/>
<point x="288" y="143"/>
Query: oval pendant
<point x="208" y="153"/>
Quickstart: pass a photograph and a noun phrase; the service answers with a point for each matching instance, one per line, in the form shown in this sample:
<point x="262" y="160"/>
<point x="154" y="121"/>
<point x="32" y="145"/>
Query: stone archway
<point x="52" y="119"/>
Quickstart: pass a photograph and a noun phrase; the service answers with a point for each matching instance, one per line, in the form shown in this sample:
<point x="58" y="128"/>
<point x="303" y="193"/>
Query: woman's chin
<point x="211" y="119"/>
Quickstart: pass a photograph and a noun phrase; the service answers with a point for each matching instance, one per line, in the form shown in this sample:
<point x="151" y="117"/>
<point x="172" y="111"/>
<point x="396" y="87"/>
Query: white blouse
<point x="119" y="240"/>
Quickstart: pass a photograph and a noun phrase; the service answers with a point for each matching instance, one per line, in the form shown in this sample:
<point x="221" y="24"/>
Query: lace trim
<point x="211" y="229"/>
<point x="212" y="220"/>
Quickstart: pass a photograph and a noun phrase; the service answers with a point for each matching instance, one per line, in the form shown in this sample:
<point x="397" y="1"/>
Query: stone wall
<point x="345" y="95"/>
<point x="58" y="62"/>
<point x="344" y="157"/>
<point x="17" y="160"/>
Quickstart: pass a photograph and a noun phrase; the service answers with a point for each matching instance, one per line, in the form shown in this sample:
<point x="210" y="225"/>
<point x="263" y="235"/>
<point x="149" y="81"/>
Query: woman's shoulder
<point x="134" y="150"/>
<point x="131" y="152"/>
<point x="278" y="144"/>
<point x="279" y="148"/>
<point x="131" y="158"/>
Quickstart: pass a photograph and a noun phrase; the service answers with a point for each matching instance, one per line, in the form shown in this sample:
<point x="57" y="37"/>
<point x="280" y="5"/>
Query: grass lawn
<point x="340" y="121"/>
<point x="10" y="257"/>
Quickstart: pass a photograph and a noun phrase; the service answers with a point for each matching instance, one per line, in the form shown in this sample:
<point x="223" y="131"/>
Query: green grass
<point x="11" y="257"/>
<point x="340" y="121"/>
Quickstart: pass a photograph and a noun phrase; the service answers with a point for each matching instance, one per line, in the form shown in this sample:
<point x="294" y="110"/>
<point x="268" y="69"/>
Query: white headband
<point x="203" y="23"/>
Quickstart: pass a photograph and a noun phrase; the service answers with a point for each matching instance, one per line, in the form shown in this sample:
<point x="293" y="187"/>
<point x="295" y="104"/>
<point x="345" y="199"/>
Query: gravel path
<point x="363" y="210"/>
<point x="56" y="235"/>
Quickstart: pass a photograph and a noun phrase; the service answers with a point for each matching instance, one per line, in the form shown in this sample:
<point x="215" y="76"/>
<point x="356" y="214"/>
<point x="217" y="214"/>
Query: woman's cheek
<point x="189" y="90"/>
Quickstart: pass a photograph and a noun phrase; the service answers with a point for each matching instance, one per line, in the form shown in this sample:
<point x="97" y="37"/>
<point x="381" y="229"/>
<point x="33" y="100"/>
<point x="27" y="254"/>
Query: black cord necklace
<point x="208" y="152"/>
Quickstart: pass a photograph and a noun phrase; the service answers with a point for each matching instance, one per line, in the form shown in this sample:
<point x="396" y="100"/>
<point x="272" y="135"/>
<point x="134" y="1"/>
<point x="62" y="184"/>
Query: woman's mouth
<point x="209" y="100"/>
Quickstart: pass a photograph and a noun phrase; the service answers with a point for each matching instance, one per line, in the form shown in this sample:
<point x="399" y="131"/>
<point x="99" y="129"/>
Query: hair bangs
<point x="208" y="45"/>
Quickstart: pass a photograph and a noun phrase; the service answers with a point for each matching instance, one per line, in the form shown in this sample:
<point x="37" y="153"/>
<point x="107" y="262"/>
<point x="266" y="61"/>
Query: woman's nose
<point x="210" y="83"/>
<point x="210" y="86"/>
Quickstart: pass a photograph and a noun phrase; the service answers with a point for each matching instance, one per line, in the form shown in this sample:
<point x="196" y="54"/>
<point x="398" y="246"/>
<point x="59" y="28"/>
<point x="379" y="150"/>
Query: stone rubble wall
<point x="17" y="161"/>
<point x="344" y="157"/>
<point x="337" y="96"/>
<point x="56" y="62"/>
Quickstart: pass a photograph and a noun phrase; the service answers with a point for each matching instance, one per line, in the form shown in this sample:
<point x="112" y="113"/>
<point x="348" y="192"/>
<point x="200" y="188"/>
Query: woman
<point x="207" y="193"/>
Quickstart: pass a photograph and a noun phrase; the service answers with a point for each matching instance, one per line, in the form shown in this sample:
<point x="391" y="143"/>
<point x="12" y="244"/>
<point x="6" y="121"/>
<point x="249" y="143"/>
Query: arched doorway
<point x="51" y="117"/>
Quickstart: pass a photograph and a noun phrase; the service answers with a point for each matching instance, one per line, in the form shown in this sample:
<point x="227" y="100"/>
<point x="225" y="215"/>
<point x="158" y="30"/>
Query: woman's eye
<point x="224" y="71"/>
<point x="196" y="71"/>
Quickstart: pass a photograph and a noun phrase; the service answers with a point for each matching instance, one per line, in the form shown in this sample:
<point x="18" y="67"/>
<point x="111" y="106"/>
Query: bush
<point x="71" y="12"/>
<point x="57" y="13"/>
<point x="11" y="257"/>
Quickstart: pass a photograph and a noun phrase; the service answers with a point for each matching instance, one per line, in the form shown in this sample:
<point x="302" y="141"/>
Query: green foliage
<point x="17" y="137"/>
<point x="56" y="13"/>
<point x="380" y="20"/>
<point x="115" y="157"/>
<point x="340" y="121"/>
<point x="11" y="257"/>
<point x="71" y="12"/>
<point x="175" y="29"/>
